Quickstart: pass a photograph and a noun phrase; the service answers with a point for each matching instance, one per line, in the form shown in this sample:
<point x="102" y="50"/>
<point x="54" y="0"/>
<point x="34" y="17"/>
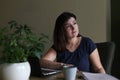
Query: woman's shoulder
<point x="84" y="38"/>
<point x="88" y="41"/>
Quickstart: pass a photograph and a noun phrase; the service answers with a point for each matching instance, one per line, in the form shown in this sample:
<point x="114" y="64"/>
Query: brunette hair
<point x="59" y="35"/>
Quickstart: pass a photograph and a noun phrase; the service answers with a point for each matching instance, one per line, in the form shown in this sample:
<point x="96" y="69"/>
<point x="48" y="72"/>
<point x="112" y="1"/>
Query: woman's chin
<point x="73" y="36"/>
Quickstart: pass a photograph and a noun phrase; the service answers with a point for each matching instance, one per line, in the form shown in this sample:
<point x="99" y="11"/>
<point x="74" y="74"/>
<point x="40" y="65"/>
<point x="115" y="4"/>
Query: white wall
<point x="41" y="14"/>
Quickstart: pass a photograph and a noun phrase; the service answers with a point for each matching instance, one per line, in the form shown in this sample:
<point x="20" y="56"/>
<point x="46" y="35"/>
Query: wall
<point x="92" y="15"/>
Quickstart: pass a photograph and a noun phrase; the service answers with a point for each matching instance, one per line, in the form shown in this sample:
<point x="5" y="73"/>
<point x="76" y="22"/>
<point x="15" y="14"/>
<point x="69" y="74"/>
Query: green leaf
<point x="18" y="42"/>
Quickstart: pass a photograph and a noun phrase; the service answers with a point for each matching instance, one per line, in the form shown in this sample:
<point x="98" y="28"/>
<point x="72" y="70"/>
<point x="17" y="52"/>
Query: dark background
<point x="115" y="35"/>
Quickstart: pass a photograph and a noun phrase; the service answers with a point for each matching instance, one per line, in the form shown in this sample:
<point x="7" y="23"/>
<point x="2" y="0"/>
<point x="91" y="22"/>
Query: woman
<point x="71" y="48"/>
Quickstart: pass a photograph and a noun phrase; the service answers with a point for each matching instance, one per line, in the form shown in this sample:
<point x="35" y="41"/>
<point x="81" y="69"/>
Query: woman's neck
<point x="73" y="42"/>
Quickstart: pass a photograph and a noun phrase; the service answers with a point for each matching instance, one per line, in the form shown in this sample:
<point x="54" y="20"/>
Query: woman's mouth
<point x="73" y="32"/>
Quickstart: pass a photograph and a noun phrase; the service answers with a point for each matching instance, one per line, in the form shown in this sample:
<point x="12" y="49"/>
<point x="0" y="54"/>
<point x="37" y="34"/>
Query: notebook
<point x="97" y="76"/>
<point x="36" y="69"/>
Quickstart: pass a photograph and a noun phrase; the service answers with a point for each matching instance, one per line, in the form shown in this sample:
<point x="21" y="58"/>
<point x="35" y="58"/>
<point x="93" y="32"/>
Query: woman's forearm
<point x="100" y="70"/>
<point x="51" y="64"/>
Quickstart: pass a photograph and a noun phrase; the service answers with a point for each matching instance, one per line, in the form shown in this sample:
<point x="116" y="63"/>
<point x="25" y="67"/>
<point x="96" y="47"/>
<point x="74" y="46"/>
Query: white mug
<point x="69" y="72"/>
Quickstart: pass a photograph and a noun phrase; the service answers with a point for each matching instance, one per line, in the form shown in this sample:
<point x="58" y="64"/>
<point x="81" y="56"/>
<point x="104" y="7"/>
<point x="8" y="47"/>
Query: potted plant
<point x="17" y="43"/>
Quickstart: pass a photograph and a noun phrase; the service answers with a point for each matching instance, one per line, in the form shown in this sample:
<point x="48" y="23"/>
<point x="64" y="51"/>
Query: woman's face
<point x="71" y="28"/>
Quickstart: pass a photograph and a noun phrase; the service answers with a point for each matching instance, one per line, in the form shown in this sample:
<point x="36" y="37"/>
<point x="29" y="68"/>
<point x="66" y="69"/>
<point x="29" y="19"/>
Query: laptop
<point x="36" y="69"/>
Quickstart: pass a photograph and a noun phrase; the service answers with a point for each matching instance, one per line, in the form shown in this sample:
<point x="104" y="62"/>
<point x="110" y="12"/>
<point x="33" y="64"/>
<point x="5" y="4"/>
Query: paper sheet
<point x="98" y="76"/>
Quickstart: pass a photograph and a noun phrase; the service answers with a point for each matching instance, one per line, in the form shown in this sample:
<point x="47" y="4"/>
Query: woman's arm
<point x="95" y="59"/>
<point x="48" y="60"/>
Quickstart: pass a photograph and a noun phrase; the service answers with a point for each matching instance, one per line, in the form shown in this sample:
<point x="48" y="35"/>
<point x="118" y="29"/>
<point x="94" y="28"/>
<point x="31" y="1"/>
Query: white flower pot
<point x="15" y="71"/>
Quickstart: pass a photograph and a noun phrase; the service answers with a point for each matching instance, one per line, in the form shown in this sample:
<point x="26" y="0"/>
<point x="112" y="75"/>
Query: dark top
<point x="80" y="57"/>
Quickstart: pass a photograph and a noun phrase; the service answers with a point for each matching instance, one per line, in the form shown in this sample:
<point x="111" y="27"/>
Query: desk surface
<point x="58" y="76"/>
<point x="90" y="76"/>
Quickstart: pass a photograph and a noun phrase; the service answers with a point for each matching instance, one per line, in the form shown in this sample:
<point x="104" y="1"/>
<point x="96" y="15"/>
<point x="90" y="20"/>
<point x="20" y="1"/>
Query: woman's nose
<point x="72" y="27"/>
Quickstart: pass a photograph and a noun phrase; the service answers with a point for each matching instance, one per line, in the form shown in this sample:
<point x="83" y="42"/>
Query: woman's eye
<point x="74" y="23"/>
<point x="67" y="26"/>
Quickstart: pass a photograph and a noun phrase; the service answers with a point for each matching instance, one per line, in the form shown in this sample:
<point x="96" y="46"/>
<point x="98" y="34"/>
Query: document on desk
<point x="98" y="76"/>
